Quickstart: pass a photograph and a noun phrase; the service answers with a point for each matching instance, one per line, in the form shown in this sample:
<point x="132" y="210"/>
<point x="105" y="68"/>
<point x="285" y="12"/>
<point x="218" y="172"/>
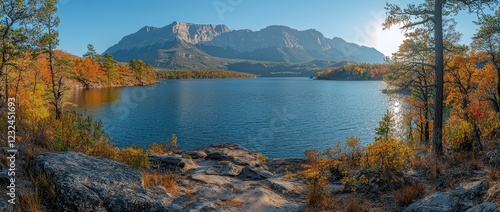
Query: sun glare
<point x="387" y="41"/>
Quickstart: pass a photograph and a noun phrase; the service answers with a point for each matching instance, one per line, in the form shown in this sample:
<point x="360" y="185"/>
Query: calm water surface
<point x="280" y="117"/>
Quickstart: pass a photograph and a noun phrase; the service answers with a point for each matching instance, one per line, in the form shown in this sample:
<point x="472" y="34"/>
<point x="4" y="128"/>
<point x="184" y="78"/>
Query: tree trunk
<point x="437" y="138"/>
<point x="497" y="107"/>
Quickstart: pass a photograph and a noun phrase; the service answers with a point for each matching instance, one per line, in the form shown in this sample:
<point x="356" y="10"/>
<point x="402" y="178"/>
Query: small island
<point x="355" y="71"/>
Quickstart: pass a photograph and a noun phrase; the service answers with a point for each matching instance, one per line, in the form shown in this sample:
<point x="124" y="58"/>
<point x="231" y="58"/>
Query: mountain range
<point x="277" y="49"/>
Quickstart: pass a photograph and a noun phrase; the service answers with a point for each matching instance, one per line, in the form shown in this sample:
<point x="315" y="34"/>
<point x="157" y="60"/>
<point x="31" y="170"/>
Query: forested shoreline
<point x="200" y="74"/>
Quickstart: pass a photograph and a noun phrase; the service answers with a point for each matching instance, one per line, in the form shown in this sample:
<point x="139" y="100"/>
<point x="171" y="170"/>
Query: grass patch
<point x="493" y="175"/>
<point x="410" y="193"/>
<point x="262" y="158"/>
<point x="229" y="203"/>
<point x="353" y="205"/>
<point x="167" y="180"/>
<point x="28" y="202"/>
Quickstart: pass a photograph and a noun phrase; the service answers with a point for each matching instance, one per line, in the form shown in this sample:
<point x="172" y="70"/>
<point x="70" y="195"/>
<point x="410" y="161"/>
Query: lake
<point x="280" y="117"/>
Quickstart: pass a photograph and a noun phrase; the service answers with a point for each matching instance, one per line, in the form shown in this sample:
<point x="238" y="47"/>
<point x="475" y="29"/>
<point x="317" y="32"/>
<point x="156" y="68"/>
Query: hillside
<point x="207" y="46"/>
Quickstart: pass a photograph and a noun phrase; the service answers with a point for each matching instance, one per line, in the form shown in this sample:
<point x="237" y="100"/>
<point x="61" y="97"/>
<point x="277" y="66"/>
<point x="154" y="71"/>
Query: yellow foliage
<point x="167" y="147"/>
<point x="387" y="155"/>
<point x="458" y="134"/>
<point x="134" y="157"/>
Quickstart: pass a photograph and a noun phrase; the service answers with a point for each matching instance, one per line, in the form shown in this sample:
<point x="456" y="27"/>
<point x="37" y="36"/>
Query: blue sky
<point x="104" y="22"/>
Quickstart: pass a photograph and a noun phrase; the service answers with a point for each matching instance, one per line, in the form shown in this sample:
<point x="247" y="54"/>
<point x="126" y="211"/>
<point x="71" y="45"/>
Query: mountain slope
<point x="201" y="46"/>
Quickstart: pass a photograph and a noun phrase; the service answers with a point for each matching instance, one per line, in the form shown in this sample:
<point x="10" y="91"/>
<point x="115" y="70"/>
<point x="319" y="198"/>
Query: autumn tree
<point x="488" y="39"/>
<point x="385" y="126"/>
<point x="110" y="66"/>
<point x="464" y="98"/>
<point x="409" y="73"/>
<point x="429" y="15"/>
<point x="49" y="41"/>
<point x="17" y="27"/>
<point x="412" y="73"/>
<point x="88" y="71"/>
<point x="140" y="69"/>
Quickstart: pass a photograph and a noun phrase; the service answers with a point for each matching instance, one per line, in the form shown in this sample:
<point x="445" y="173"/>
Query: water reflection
<point x="280" y="117"/>
<point x="94" y="98"/>
<point x="396" y="107"/>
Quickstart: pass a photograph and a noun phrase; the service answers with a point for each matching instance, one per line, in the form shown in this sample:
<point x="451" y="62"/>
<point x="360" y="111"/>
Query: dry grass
<point x="262" y="158"/>
<point x="28" y="202"/>
<point x="32" y="152"/>
<point x="354" y="205"/>
<point x="229" y="203"/>
<point x="493" y="175"/>
<point x="44" y="191"/>
<point x="167" y="180"/>
<point x="290" y="175"/>
<point x="316" y="197"/>
<point x="410" y="193"/>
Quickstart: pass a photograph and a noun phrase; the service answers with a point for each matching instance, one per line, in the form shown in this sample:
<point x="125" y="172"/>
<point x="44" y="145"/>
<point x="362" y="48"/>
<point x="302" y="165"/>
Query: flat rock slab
<point x="485" y="207"/>
<point x="173" y="163"/>
<point x="223" y="168"/>
<point x="435" y="202"/>
<point x="283" y="165"/>
<point x="87" y="183"/>
<point x="254" y="173"/>
<point x="232" y="152"/>
<point x="493" y="157"/>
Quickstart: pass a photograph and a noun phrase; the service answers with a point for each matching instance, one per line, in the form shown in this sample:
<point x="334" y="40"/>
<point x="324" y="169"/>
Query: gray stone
<point x="174" y="163"/>
<point x="485" y="207"/>
<point x="224" y="168"/>
<point x="195" y="154"/>
<point x="87" y="183"/>
<point x="254" y="173"/>
<point x="232" y="152"/>
<point x="287" y="188"/>
<point x="435" y="202"/>
<point x="493" y="157"/>
<point x="282" y="165"/>
<point x="470" y="194"/>
<point x="4" y="206"/>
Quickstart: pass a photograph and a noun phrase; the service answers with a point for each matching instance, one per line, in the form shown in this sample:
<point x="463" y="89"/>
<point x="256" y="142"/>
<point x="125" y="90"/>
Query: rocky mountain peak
<point x="187" y="32"/>
<point x="276" y="43"/>
<point x="195" y="33"/>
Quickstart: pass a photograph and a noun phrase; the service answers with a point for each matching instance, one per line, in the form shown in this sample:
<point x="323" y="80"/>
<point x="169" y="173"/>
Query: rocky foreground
<point x="218" y="177"/>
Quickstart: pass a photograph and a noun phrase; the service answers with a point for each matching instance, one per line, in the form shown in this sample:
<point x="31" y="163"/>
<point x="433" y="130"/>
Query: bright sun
<point x="388" y="41"/>
<point x="372" y="34"/>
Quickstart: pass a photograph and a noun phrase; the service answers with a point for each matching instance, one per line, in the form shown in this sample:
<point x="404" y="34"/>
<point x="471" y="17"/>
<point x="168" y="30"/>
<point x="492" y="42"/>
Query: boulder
<point x="470" y="194"/>
<point x="174" y="163"/>
<point x="493" y="157"/>
<point x="435" y="202"/>
<point x="195" y="154"/>
<point x="485" y="207"/>
<point x="224" y="168"/>
<point x="87" y="183"/>
<point x="287" y="188"/>
<point x="254" y="173"/>
<point x="282" y="165"/>
<point x="232" y="152"/>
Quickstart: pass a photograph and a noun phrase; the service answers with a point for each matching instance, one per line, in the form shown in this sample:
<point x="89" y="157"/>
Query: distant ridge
<point x="200" y="46"/>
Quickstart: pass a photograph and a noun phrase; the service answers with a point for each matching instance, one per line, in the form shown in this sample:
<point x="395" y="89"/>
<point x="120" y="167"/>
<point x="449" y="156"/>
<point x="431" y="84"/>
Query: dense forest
<point x="200" y="74"/>
<point x="353" y="71"/>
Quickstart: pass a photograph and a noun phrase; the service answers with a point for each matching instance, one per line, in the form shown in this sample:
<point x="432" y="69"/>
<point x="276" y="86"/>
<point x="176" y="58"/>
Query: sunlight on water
<point x="281" y="117"/>
<point x="396" y="106"/>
